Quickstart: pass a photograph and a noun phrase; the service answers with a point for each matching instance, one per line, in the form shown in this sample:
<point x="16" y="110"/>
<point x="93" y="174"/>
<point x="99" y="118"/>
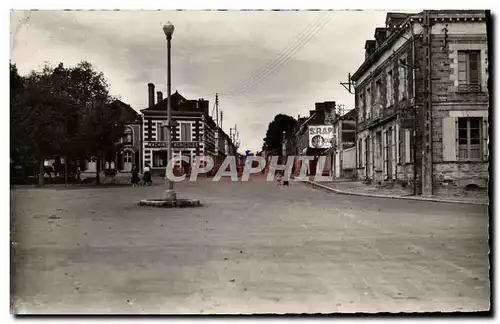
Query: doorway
<point x="127" y="161"/>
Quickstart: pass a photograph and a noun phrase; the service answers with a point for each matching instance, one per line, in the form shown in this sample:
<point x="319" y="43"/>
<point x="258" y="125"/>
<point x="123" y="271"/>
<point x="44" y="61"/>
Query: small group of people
<point x="146" y="179"/>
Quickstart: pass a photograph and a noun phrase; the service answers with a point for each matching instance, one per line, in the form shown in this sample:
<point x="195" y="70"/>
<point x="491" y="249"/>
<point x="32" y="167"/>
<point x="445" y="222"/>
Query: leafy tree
<point x="18" y="142"/>
<point x="274" y="134"/>
<point x="98" y="128"/>
<point x="63" y="111"/>
<point x="39" y="115"/>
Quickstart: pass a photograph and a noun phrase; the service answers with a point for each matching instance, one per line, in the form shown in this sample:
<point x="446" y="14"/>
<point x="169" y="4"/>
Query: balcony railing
<point x="469" y="88"/>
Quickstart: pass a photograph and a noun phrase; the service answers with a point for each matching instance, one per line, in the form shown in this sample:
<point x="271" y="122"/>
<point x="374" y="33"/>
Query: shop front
<point x="188" y="150"/>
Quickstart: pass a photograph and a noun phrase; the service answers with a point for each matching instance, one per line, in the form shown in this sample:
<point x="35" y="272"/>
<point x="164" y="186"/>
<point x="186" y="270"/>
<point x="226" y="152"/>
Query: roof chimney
<point x="319" y="106"/>
<point x="159" y="96"/>
<point x="380" y="35"/>
<point x="151" y="94"/>
<point x="370" y="48"/>
<point x="203" y="105"/>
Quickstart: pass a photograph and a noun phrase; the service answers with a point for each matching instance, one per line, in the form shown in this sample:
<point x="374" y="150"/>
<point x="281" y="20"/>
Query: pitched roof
<point x="177" y="102"/>
<point x="350" y="115"/>
<point x="126" y="113"/>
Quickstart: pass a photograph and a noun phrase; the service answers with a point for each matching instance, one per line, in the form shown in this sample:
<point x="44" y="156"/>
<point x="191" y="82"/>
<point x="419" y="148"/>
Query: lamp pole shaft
<point x="169" y="114"/>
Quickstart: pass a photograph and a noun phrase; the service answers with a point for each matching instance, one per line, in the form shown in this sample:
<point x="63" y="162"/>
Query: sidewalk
<point x="360" y="189"/>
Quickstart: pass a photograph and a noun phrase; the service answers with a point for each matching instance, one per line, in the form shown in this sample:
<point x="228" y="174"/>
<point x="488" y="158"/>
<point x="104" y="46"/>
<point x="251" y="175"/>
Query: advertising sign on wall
<point x="175" y="145"/>
<point x="320" y="136"/>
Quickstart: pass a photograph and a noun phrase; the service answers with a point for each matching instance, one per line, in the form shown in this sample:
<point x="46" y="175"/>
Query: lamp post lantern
<point x="168" y="29"/>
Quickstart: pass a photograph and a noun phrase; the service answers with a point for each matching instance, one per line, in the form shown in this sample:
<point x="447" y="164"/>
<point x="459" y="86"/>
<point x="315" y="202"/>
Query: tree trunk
<point x="98" y="169"/>
<point x="41" y="173"/>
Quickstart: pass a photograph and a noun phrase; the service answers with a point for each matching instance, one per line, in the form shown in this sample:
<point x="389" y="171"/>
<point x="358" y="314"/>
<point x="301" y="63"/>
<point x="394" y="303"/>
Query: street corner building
<point x="422" y="100"/>
<point x="313" y="136"/>
<point x="195" y="133"/>
<point x="328" y="134"/>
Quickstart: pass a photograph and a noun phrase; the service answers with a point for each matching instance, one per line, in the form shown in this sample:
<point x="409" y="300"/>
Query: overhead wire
<point x="282" y="59"/>
<point x="294" y="40"/>
<point x="297" y="43"/>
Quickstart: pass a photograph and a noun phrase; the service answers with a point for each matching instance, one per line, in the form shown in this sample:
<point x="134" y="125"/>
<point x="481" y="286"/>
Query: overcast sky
<point x="212" y="51"/>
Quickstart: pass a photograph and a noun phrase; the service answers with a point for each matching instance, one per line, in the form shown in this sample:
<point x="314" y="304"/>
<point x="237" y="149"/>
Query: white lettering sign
<point x="320" y="136"/>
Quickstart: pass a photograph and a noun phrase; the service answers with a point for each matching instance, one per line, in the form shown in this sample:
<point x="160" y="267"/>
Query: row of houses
<point x="194" y="133"/>
<point x="325" y="132"/>
<point x="422" y="100"/>
<point x="421" y="107"/>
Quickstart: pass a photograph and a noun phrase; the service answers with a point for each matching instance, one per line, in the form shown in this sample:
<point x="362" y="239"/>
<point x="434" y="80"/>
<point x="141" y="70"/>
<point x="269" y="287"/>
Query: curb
<point x="317" y="185"/>
<point x="178" y="203"/>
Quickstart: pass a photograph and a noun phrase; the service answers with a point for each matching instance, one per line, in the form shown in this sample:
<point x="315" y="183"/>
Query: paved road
<point x="253" y="247"/>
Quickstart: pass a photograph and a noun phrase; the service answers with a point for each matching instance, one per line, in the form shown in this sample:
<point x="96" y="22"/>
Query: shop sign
<point x="175" y="145"/>
<point x="320" y="136"/>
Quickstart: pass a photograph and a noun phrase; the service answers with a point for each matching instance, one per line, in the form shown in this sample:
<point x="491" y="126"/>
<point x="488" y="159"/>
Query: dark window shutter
<point x="474" y="67"/>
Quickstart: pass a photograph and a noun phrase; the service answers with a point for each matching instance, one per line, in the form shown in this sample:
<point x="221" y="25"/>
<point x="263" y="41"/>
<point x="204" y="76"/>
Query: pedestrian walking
<point x="279" y="178"/>
<point x="135" y="177"/>
<point x="147" y="176"/>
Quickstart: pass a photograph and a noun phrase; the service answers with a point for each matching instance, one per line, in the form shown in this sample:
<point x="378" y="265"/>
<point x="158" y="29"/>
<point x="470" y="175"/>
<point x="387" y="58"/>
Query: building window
<point x="127" y="157"/>
<point x="378" y="87"/>
<point x="361" y="104"/>
<point x="468" y="71"/>
<point x="161" y="132"/>
<point x="378" y="140"/>
<point x="159" y="159"/>
<point x="368" y="109"/>
<point x="389" y="89"/>
<point x="469" y="138"/>
<point x="185" y="132"/>
<point x="403" y="79"/>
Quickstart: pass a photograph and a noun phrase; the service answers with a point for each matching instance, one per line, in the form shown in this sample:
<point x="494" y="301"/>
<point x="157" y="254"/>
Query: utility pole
<point x="427" y="172"/>
<point x="217" y="108"/>
<point x="349" y="85"/>
<point x="221" y="115"/>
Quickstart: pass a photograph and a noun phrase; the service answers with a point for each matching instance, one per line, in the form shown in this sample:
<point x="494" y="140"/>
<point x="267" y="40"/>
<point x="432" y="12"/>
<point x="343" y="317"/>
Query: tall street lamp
<point x="170" y="198"/>
<point x="168" y="29"/>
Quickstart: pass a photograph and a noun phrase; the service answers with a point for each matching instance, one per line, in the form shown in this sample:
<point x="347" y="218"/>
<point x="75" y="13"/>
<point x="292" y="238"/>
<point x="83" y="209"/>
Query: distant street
<point x="253" y="248"/>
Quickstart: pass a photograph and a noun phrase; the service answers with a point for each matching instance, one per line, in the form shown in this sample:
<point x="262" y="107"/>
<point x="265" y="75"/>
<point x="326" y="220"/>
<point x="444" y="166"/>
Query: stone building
<point x="317" y="125"/>
<point x="342" y="154"/>
<point x="195" y="132"/>
<point x="422" y="98"/>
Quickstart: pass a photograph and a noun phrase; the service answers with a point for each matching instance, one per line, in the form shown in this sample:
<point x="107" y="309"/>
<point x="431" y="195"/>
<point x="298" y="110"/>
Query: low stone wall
<point x="461" y="175"/>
